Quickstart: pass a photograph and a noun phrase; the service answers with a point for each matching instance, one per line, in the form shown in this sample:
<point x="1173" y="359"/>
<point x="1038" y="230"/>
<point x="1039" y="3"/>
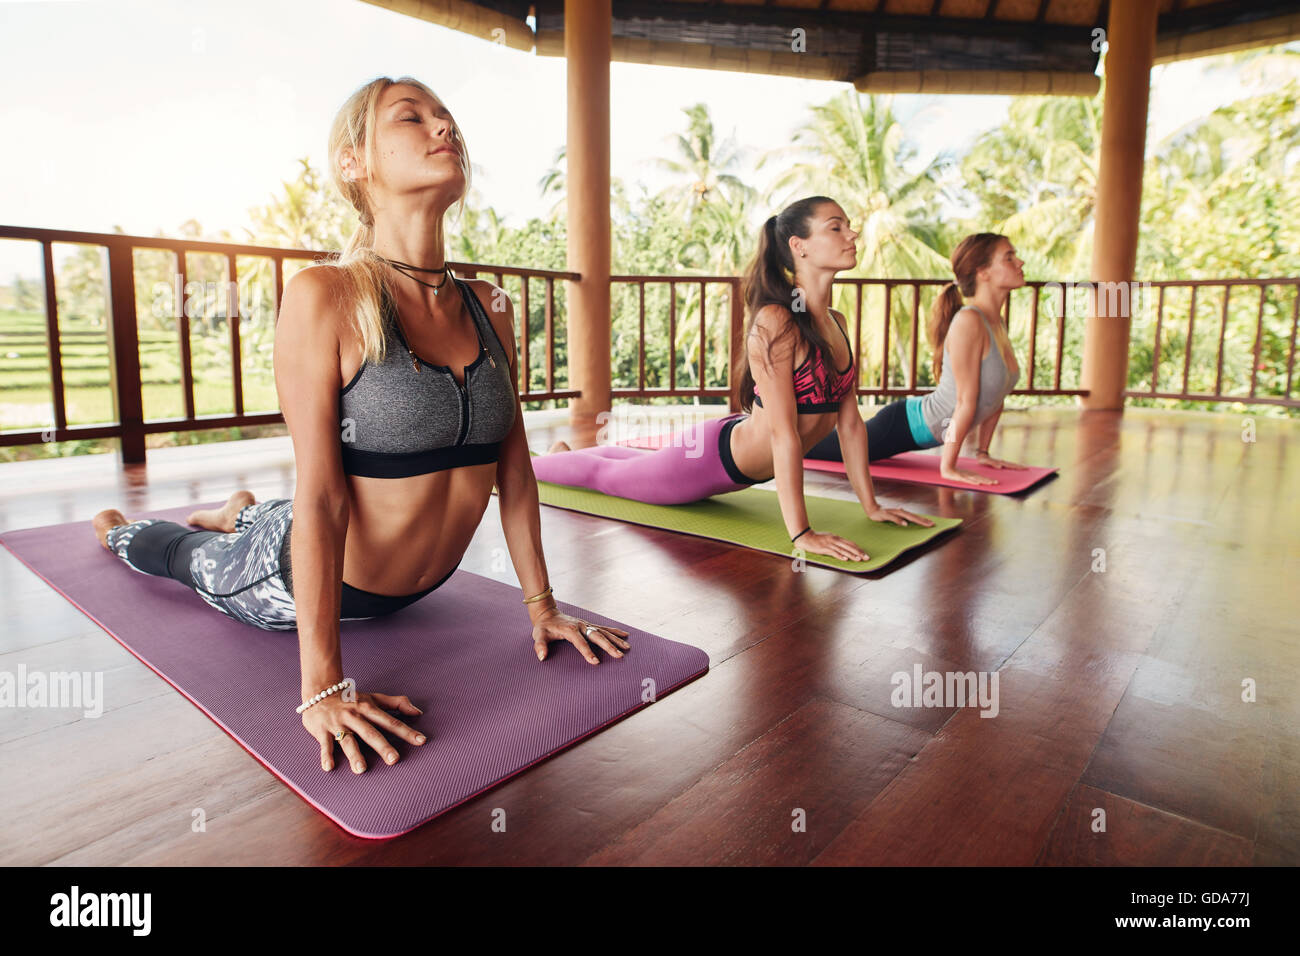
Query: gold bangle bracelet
<point x="538" y="597"/>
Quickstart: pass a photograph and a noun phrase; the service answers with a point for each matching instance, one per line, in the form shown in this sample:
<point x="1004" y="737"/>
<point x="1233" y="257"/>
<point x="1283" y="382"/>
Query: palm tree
<point x="703" y="164"/>
<point x="853" y="151"/>
<point x="714" y="210"/>
<point x="722" y="237"/>
<point x="1045" y="161"/>
<point x="481" y="234"/>
<point x="554" y="182"/>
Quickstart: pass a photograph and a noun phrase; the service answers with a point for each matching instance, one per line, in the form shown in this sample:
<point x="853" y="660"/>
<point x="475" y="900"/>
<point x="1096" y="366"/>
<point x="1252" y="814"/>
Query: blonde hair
<point x="366" y="278"/>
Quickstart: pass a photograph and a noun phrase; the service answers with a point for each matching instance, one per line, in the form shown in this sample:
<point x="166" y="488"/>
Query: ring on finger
<point x="341" y="734"/>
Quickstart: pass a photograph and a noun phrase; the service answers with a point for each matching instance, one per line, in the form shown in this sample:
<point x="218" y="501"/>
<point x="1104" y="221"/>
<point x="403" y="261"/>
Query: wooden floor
<point x="1119" y="689"/>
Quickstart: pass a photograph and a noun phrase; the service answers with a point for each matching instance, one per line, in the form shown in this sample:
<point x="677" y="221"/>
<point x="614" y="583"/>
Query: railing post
<point x="124" y="351"/>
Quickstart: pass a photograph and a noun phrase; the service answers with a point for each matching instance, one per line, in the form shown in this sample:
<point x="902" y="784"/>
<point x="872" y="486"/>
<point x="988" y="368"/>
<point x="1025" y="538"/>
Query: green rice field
<point x="26" y="399"/>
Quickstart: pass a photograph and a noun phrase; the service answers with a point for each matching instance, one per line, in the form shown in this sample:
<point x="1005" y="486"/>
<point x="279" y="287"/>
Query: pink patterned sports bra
<point x="818" y="389"/>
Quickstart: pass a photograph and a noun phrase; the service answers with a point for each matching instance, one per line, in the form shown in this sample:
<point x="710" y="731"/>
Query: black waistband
<point x="724" y="452"/>
<point x="359" y="603"/>
<point x="380" y="464"/>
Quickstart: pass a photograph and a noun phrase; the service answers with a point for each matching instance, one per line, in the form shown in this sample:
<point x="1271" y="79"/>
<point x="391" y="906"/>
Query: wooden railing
<point x="877" y="376"/>
<point x="1041" y="317"/>
<point x="916" y="315"/>
<point x="1264" y="293"/>
<point x="130" y="426"/>
<point x="882" y="372"/>
<point x="734" y="313"/>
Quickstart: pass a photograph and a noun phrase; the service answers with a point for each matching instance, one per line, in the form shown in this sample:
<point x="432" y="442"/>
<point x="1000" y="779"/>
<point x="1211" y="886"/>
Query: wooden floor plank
<point x="979" y="793"/>
<point x="1136" y="835"/>
<point x="1121" y="605"/>
<point x="777" y="801"/>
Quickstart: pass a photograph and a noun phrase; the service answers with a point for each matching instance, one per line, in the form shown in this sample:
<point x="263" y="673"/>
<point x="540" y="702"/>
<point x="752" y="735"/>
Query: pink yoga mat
<point x="919" y="468"/>
<point x="914" y="466"/>
<point x="463" y="654"/>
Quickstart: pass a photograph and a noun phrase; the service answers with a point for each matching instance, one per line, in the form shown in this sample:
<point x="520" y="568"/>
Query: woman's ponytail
<point x="769" y="280"/>
<point x="972" y="254"/>
<point x="945" y="307"/>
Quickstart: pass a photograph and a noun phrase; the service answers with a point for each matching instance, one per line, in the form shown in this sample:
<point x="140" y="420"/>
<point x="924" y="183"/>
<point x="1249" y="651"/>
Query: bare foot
<point x="558" y="446"/>
<point x="223" y="518"/>
<point x="106" y="521"/>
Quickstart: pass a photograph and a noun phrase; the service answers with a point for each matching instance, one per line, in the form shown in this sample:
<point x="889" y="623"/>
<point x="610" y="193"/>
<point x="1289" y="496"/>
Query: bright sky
<point x="146" y="113"/>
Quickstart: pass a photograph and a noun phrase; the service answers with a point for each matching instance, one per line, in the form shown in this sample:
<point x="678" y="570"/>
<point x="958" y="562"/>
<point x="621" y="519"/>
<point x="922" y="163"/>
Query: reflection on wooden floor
<point x="1120" y="690"/>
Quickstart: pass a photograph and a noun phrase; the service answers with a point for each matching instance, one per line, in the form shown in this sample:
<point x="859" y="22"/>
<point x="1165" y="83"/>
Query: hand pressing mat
<point x="752" y="518"/>
<point x="463" y="654"/>
<point x="911" y="466"/>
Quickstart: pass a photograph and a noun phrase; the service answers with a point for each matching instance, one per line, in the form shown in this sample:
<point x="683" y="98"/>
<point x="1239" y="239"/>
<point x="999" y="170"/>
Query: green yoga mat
<point x="752" y="518"/>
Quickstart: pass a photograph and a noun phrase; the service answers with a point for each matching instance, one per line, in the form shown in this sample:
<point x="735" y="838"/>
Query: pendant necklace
<point x="402" y="267"/>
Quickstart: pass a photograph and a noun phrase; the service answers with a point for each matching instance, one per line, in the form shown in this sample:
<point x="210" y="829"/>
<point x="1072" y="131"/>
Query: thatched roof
<point x="912" y="46"/>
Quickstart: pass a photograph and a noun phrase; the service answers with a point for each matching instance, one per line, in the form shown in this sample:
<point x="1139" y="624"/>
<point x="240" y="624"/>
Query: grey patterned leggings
<point x="246" y="573"/>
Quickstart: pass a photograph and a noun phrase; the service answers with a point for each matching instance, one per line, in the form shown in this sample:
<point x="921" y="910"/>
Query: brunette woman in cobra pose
<point x="971" y="345"/>
<point x="399" y="393"/>
<point x="798" y="354"/>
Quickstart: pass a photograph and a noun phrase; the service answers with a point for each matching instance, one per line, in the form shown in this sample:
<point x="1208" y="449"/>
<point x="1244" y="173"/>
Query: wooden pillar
<point x="1131" y="39"/>
<point x="587" y="42"/>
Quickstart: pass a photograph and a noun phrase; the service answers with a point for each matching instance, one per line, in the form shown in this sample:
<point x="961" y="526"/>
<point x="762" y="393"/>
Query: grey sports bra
<point x="401" y="419"/>
<point x="996" y="383"/>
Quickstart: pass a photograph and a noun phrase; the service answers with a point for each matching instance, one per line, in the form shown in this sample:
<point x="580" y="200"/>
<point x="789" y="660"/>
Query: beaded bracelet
<point x="345" y="682"/>
<point x="801" y="533"/>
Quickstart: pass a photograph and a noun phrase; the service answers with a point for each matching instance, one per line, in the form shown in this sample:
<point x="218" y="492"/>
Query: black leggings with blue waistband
<point x="888" y="434"/>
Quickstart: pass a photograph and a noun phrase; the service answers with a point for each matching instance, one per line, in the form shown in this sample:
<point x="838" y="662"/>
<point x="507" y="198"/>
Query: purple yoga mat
<point x="463" y="654"/>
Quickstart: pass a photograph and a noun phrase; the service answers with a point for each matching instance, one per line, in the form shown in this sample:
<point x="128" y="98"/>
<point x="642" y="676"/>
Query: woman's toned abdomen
<point x="404" y="534"/>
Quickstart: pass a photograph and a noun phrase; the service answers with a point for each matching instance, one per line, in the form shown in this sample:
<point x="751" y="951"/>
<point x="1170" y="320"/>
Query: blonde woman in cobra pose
<point x="974" y="364"/>
<point x="398" y="388"/>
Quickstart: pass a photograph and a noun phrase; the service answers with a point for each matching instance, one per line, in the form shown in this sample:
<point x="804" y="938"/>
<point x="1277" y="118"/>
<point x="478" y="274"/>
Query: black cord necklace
<point x="402" y="267"/>
<point x="406" y="269"/>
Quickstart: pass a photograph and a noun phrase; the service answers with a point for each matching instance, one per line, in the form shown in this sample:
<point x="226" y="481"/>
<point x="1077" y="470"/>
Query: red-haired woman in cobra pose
<point x="974" y="364"/>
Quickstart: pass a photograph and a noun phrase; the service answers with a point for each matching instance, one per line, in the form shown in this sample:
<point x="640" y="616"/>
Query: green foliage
<point x="1218" y="202"/>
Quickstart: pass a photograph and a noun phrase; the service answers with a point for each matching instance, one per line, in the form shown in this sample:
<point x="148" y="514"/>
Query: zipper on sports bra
<point x="464" y="407"/>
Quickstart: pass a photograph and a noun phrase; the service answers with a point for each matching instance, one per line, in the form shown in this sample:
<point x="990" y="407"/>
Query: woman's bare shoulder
<point x="966" y="325"/>
<point x="773" y="321"/>
<point x="318" y="291"/>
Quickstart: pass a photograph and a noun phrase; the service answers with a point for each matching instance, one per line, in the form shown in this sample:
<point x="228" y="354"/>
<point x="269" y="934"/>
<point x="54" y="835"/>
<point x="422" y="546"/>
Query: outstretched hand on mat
<point x="555" y="625"/>
<point x="988" y="461"/>
<point x="359" y="719"/>
<point x="899" y="516"/>
<point x="970" y="477"/>
<point x="831" y="545"/>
